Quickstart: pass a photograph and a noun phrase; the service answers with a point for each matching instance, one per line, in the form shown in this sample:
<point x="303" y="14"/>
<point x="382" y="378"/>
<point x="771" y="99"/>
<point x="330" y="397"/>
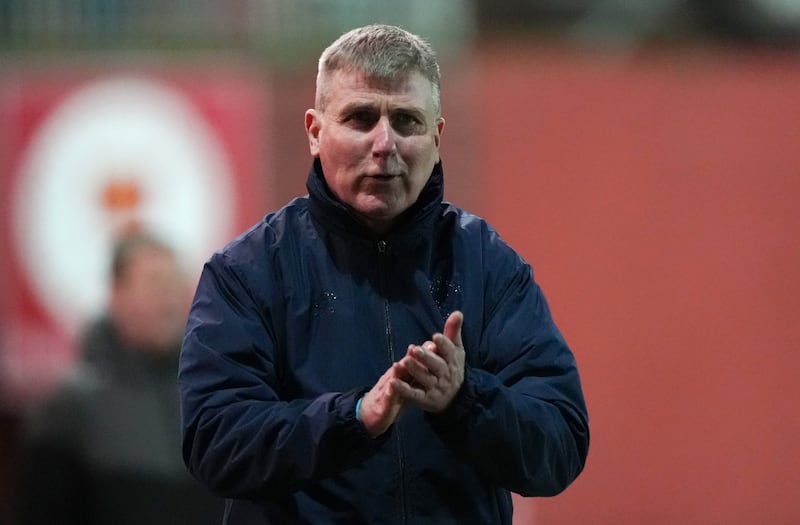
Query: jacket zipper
<point x="383" y="247"/>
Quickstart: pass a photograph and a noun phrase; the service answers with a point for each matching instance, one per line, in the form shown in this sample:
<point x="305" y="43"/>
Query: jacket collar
<point x="333" y="214"/>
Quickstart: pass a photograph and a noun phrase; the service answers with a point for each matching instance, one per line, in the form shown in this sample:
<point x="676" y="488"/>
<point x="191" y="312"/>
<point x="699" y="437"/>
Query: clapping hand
<point x="429" y="376"/>
<point x="435" y="369"/>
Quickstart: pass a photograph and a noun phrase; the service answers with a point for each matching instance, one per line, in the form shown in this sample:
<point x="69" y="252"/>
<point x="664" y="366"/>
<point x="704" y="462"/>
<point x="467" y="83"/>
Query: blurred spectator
<point x="106" y="447"/>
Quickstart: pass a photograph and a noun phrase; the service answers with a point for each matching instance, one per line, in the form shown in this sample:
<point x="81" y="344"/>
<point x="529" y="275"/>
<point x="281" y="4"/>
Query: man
<point x="106" y="448"/>
<point x="370" y="353"/>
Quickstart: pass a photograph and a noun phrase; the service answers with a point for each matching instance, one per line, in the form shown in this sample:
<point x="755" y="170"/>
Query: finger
<point x="382" y="391"/>
<point x="417" y="351"/>
<point x="414" y="369"/>
<point x="451" y="339"/>
<point x="407" y="392"/>
<point x="401" y="367"/>
<point x="422" y="376"/>
<point x="428" y="357"/>
<point x="452" y="328"/>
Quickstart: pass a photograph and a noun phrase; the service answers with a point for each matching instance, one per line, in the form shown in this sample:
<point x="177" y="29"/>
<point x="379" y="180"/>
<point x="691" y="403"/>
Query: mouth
<point x="382" y="177"/>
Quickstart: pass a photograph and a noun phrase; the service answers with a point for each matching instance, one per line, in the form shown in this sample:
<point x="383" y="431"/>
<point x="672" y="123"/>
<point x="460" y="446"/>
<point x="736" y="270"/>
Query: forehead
<point x="348" y="87"/>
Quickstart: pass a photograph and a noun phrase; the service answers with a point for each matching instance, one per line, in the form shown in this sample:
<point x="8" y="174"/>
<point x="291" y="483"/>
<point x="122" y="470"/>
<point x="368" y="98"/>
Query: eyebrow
<point x="356" y="107"/>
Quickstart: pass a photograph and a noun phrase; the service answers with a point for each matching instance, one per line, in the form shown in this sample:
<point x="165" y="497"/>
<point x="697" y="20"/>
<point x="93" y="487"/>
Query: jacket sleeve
<point x="520" y="416"/>
<point x="240" y="439"/>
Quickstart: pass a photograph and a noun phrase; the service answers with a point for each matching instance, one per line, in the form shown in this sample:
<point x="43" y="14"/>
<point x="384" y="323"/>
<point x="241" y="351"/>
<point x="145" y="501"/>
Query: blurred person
<point x="370" y="353"/>
<point x="105" y="449"/>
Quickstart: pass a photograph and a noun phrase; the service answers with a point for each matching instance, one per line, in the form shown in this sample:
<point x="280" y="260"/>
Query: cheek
<point x="342" y="159"/>
<point x="423" y="154"/>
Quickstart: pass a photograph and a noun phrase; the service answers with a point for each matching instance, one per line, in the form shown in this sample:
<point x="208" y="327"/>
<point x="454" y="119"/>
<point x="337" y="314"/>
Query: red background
<point x="656" y="197"/>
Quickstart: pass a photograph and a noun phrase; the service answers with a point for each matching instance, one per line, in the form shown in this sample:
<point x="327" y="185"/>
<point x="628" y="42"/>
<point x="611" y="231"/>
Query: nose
<point x="384" y="141"/>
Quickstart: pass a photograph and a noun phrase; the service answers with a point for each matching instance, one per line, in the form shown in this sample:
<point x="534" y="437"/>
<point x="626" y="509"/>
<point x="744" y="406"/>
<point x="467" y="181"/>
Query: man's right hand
<point x="382" y="405"/>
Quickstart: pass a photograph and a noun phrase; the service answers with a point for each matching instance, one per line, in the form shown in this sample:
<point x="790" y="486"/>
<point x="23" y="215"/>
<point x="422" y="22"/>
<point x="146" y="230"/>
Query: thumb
<point x="452" y="328"/>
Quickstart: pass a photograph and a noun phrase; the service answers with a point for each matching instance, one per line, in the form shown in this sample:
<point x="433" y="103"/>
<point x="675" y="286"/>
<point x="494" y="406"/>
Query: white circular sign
<point x="117" y="151"/>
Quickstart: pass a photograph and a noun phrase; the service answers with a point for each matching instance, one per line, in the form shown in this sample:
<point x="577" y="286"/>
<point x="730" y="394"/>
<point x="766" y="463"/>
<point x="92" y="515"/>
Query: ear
<point x="313" y="126"/>
<point x="439" y="129"/>
<point x="437" y="136"/>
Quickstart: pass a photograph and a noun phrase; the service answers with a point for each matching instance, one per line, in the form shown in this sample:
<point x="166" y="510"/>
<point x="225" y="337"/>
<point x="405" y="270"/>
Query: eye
<point x="362" y="119"/>
<point x="407" y="124"/>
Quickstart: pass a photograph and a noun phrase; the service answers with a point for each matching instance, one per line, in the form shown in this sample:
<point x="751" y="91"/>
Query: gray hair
<point x="383" y="52"/>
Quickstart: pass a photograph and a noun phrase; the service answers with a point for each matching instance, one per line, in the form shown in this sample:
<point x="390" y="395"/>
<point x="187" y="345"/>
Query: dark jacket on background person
<point x="298" y="317"/>
<point x="105" y="449"/>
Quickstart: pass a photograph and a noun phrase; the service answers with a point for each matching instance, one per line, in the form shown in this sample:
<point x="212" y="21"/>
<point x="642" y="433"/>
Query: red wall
<point x="656" y="198"/>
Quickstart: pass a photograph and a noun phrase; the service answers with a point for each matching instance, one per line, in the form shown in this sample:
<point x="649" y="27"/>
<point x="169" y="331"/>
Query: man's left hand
<point x="436" y="368"/>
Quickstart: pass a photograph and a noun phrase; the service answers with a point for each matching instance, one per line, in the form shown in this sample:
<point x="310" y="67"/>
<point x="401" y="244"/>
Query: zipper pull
<point x="382" y="245"/>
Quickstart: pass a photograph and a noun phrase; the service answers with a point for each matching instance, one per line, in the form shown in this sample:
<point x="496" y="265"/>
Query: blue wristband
<point x="358" y="407"/>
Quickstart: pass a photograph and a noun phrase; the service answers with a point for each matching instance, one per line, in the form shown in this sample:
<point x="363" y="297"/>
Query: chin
<point x="378" y="220"/>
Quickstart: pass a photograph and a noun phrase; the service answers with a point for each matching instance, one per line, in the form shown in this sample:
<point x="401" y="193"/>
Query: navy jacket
<point x="298" y="317"/>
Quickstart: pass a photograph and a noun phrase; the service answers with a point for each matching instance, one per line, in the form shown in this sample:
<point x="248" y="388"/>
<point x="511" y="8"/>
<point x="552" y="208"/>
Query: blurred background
<point x="643" y="156"/>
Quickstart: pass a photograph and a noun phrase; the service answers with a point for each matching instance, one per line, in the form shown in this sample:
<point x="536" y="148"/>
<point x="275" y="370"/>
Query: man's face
<point x="377" y="140"/>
